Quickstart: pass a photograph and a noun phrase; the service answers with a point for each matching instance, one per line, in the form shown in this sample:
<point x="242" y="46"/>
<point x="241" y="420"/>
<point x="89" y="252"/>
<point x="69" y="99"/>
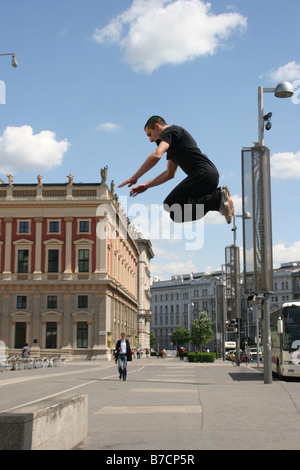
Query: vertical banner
<point x="257" y="227"/>
<point x="262" y="220"/>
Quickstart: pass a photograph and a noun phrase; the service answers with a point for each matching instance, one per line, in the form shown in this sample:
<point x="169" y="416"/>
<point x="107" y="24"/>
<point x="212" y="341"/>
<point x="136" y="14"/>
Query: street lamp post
<point x="14" y="61"/>
<point x="283" y="90"/>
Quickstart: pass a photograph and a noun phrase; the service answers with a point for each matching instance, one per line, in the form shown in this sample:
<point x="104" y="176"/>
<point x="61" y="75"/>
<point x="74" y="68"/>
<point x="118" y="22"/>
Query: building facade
<point x="144" y="294"/>
<point x="179" y="300"/>
<point x="69" y="269"/>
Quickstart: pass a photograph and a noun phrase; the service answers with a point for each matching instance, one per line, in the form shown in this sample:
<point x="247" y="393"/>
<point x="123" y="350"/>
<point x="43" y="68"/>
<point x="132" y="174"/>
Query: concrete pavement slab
<point x="185" y="406"/>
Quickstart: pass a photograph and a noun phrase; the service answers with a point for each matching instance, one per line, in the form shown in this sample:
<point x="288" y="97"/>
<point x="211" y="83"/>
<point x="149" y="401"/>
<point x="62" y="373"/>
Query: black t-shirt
<point x="184" y="151"/>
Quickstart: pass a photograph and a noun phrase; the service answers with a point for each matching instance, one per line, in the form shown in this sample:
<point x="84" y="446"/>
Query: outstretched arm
<point x="160" y="179"/>
<point x="151" y="161"/>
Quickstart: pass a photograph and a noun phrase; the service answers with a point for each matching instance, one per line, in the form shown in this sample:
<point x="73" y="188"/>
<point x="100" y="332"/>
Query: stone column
<point x="5" y="320"/>
<point x="36" y="323"/>
<point x="102" y="325"/>
<point x="68" y="242"/>
<point x="6" y="276"/>
<point x="37" y="274"/>
<point x="66" y="340"/>
<point x="101" y="255"/>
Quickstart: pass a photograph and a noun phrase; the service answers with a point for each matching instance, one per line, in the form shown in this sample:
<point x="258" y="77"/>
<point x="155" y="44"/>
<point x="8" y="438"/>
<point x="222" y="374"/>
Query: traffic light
<point x="232" y="326"/>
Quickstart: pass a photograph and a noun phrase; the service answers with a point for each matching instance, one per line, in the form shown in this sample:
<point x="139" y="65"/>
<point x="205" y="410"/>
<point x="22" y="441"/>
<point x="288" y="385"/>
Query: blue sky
<point x="91" y="73"/>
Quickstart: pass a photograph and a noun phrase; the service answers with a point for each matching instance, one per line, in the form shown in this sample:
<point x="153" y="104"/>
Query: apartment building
<point x="179" y="300"/>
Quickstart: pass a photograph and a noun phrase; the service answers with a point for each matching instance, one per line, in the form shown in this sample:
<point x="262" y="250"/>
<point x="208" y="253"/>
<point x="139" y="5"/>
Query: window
<point x="51" y="335"/>
<point x="53" y="259"/>
<point x="23" y="257"/>
<point x="52" y="301"/>
<point x="21" y="301"/>
<point x="83" y="301"/>
<point x="82" y="335"/>
<point x="83" y="261"/>
<point x="54" y="226"/>
<point x="84" y="226"/>
<point x="23" y="227"/>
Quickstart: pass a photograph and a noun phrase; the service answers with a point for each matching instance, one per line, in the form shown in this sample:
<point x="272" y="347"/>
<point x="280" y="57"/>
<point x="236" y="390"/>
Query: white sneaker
<point x="226" y="207"/>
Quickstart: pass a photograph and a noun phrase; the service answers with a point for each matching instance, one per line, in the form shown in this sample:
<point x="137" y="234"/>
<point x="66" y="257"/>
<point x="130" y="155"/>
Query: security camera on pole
<point x="14" y="61"/>
<point x="262" y="219"/>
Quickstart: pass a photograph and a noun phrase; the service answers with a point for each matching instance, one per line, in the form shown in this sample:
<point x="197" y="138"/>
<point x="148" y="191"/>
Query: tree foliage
<point x="153" y="340"/>
<point x="201" y="331"/>
<point x="181" y="336"/>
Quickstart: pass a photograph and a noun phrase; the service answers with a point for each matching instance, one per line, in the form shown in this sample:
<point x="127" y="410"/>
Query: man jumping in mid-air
<point x="198" y="189"/>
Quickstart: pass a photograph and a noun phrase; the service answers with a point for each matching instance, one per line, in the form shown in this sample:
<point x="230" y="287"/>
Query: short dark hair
<point x="153" y="120"/>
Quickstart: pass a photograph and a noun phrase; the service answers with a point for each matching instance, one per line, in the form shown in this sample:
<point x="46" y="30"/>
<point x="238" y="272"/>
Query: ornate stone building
<point x="144" y="294"/>
<point x="69" y="273"/>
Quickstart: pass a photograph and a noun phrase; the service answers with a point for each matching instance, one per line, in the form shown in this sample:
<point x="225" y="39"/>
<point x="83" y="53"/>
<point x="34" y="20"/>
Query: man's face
<point x="155" y="133"/>
<point x="122" y="336"/>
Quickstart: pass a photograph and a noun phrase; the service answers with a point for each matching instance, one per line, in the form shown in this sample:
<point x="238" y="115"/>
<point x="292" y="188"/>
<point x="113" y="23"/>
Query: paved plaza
<point x="166" y="404"/>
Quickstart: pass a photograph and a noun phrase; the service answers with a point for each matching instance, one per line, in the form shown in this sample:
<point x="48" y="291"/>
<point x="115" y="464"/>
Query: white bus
<point x="285" y="340"/>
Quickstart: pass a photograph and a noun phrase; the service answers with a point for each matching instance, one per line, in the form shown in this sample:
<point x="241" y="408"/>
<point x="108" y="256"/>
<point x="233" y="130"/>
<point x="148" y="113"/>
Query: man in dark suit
<point x="123" y="354"/>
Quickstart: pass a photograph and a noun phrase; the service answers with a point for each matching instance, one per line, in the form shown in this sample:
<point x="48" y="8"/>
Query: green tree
<point x="181" y="336"/>
<point x="153" y="340"/>
<point x="201" y="331"/>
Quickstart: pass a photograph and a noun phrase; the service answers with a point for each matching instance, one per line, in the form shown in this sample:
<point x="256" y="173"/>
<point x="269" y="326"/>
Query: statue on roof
<point x="104" y="174"/>
<point x="71" y="179"/>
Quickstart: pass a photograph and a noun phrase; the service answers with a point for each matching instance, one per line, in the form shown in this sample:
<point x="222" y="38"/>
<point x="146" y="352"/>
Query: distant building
<point x="144" y="294"/>
<point x="180" y="300"/>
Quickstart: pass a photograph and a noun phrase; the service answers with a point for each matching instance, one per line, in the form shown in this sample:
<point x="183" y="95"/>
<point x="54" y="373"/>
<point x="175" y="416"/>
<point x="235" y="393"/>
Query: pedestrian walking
<point x="181" y="354"/>
<point x="26" y="351"/>
<point x="124" y="354"/>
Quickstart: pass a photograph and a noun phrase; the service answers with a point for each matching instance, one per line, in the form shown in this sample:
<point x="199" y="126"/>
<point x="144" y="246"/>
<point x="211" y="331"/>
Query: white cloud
<point x="172" y="32"/>
<point x="283" y="253"/>
<point x="285" y="165"/>
<point x="108" y="127"/>
<point x="166" y="270"/>
<point x="287" y="72"/>
<point x="21" y="149"/>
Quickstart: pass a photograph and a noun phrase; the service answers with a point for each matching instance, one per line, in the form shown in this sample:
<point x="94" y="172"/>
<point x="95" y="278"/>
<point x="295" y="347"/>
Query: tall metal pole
<point x="261" y="139"/>
<point x="265" y="194"/>
<point x="283" y="90"/>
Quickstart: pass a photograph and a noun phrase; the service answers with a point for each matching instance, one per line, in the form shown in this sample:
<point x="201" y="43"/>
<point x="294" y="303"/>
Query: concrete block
<point x="58" y="423"/>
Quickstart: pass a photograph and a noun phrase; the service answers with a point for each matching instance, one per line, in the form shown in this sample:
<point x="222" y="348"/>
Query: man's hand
<point x="141" y="188"/>
<point x="130" y="182"/>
